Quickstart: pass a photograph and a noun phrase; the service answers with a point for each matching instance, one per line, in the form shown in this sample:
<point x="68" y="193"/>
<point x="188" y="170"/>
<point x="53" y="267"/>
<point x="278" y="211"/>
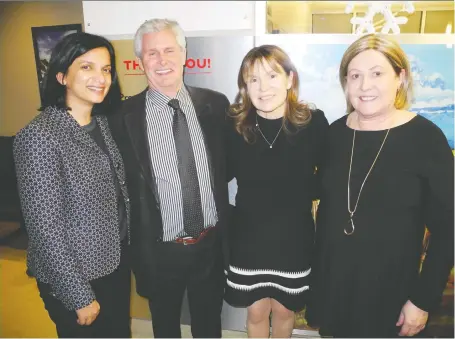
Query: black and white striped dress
<point x="272" y="229"/>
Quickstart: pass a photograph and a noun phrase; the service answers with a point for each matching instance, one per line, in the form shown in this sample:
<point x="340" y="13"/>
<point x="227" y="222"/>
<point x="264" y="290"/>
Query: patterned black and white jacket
<point x="69" y="203"/>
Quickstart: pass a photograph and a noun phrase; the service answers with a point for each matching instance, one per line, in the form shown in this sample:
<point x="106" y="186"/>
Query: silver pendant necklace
<point x="351" y="212"/>
<point x="259" y="129"/>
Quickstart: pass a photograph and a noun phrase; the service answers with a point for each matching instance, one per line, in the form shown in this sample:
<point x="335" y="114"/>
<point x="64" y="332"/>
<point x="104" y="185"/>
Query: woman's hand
<point x="88" y="314"/>
<point x="412" y="319"/>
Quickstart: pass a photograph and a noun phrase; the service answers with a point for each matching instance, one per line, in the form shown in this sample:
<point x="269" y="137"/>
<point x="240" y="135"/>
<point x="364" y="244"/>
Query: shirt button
<point x="122" y="182"/>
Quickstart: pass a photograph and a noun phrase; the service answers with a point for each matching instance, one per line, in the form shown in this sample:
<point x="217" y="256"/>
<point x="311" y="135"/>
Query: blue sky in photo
<point x="434" y="59"/>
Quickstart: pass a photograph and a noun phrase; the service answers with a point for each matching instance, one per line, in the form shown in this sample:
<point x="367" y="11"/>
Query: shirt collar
<point x="160" y="100"/>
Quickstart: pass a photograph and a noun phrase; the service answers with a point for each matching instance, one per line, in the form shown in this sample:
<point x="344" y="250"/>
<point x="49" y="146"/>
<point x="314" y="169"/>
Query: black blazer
<point x="129" y="129"/>
<point x="69" y="204"/>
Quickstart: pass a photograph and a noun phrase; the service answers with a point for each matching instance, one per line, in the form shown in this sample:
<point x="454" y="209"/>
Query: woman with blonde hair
<point x="275" y="144"/>
<point x="389" y="173"/>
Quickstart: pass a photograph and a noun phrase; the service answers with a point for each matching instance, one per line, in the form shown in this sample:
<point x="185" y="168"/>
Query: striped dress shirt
<point x="159" y="116"/>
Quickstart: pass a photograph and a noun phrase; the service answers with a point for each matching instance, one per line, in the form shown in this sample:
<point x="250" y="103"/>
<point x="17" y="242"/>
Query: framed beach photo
<point x="44" y="40"/>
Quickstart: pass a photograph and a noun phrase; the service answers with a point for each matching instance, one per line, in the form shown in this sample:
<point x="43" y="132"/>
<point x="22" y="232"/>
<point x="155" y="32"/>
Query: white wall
<point x="120" y="19"/>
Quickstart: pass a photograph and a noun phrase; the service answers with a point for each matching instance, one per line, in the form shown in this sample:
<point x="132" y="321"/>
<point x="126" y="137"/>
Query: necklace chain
<point x="259" y="129"/>
<point x="351" y="212"/>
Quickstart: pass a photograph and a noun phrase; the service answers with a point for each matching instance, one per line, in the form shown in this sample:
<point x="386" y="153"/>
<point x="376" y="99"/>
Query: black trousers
<point x="112" y="293"/>
<point x="198" y="269"/>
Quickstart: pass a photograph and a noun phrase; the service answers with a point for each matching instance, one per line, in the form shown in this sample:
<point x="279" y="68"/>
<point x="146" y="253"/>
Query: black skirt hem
<point x="236" y="298"/>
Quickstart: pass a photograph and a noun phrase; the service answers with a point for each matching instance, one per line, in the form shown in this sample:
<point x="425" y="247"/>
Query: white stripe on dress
<point x="291" y="275"/>
<point x="267" y="284"/>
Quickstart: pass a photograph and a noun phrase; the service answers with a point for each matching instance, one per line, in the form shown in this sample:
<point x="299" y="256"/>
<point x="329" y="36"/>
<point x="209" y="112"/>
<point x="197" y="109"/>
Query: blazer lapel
<point x="114" y="153"/>
<point x="117" y="161"/>
<point x="136" y="125"/>
<point x="203" y="109"/>
<point x="76" y="131"/>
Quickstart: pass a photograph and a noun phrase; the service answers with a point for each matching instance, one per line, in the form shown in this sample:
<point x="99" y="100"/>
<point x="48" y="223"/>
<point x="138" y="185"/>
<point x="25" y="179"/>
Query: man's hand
<point x="88" y="314"/>
<point x="412" y="319"/>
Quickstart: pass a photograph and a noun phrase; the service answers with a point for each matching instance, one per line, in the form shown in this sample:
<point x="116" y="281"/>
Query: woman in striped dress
<point x="274" y="145"/>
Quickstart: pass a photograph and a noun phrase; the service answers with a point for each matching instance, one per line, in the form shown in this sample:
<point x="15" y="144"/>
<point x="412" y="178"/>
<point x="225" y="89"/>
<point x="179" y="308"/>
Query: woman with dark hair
<point x="275" y="146"/>
<point x="73" y="195"/>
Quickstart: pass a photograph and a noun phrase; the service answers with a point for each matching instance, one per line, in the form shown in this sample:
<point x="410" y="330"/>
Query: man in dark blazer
<point x="171" y="140"/>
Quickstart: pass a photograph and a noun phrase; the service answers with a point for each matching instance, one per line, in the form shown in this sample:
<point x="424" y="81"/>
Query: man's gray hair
<point x="158" y="25"/>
